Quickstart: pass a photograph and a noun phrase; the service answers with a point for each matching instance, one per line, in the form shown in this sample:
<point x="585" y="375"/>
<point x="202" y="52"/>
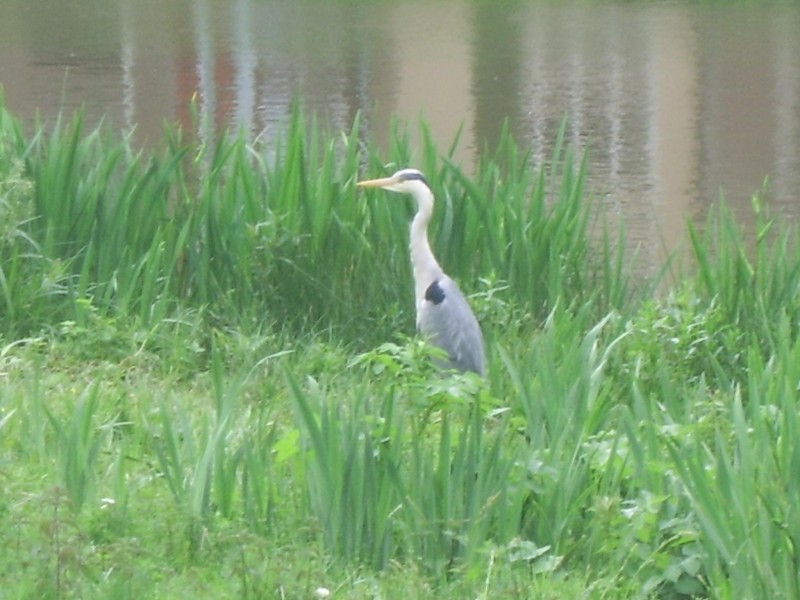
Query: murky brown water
<point x="676" y="101"/>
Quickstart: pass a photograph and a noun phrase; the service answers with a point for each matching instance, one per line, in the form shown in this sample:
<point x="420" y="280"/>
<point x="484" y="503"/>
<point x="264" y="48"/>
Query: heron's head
<point x="406" y="181"/>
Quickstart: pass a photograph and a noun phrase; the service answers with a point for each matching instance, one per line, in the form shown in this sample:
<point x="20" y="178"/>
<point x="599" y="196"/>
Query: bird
<point x="444" y="316"/>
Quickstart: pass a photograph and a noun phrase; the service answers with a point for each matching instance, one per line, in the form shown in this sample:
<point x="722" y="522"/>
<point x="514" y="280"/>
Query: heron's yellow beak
<point x="383" y="182"/>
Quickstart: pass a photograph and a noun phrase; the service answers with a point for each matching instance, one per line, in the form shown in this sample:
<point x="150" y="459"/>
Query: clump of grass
<point x="31" y="283"/>
<point x="385" y="482"/>
<point x="740" y="480"/>
<point x="752" y="279"/>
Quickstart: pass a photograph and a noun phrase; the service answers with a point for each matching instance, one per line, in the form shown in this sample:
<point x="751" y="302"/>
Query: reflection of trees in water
<point x="497" y="53"/>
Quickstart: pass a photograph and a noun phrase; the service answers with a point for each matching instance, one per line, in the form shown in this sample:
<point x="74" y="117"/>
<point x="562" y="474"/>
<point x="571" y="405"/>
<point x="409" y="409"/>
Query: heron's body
<point x="443" y="314"/>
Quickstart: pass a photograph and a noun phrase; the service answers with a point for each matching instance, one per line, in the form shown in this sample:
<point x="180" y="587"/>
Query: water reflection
<point x="675" y="101"/>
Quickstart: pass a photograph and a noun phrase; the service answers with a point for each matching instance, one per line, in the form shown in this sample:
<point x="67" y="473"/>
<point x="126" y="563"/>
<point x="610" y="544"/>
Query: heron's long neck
<point x="426" y="269"/>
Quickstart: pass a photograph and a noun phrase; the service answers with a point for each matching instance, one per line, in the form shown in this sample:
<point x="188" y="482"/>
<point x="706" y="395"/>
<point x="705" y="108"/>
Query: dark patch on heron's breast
<point x="434" y="293"/>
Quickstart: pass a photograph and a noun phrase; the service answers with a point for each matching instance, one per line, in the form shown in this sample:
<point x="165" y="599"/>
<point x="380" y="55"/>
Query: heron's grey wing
<point x="447" y="320"/>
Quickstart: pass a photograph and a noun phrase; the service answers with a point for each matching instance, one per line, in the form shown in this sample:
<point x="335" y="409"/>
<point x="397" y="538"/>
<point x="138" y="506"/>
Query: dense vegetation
<point x="205" y="388"/>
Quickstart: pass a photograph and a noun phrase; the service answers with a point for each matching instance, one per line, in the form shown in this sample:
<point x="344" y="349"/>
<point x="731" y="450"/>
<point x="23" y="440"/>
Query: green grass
<point x="207" y="385"/>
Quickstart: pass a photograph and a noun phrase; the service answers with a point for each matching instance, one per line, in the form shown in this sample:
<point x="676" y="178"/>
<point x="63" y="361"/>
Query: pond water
<point x="676" y="101"/>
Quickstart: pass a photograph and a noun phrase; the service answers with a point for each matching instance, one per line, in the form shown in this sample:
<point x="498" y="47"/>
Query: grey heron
<point x="443" y="314"/>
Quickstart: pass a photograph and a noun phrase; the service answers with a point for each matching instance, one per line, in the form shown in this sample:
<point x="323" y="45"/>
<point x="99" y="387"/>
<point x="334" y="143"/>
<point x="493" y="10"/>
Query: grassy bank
<point x="205" y="387"/>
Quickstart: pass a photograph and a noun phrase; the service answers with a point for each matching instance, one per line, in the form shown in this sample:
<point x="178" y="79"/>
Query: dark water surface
<point x="676" y="101"/>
